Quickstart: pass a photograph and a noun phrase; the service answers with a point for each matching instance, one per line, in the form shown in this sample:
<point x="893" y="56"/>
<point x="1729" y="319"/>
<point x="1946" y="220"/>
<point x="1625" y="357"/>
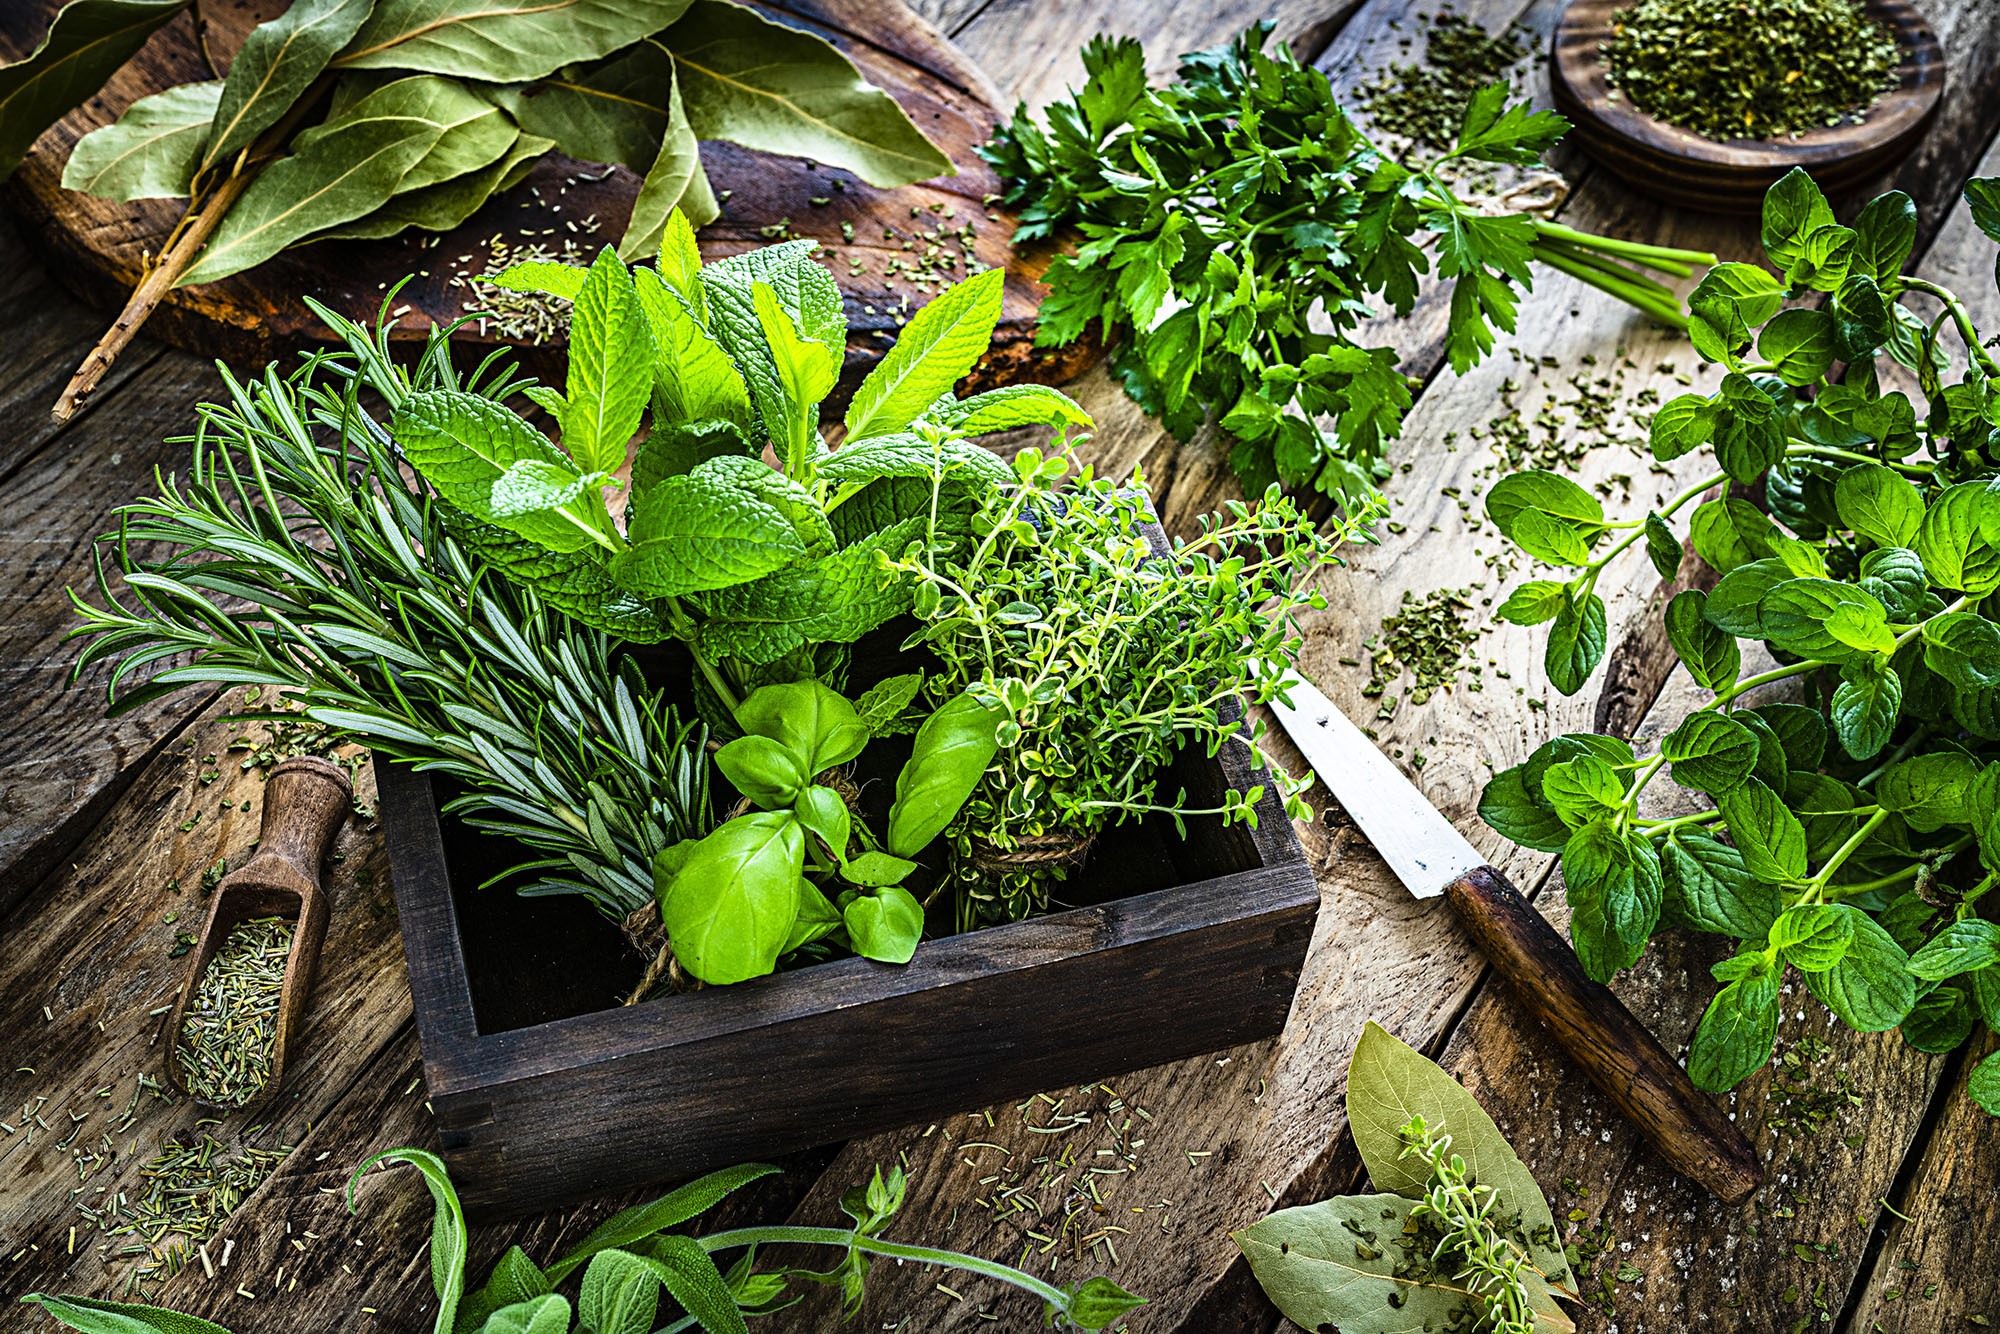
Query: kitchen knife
<point x="1431" y="858"/>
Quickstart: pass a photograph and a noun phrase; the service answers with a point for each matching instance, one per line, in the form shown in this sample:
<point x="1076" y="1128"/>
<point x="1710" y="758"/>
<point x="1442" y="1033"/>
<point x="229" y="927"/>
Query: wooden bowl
<point x="1682" y="168"/>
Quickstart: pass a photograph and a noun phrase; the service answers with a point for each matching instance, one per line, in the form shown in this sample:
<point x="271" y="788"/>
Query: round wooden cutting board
<point x="1684" y="169"/>
<point x="98" y="247"/>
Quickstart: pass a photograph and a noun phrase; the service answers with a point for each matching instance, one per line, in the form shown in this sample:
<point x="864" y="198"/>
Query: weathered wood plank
<point x="1378" y="955"/>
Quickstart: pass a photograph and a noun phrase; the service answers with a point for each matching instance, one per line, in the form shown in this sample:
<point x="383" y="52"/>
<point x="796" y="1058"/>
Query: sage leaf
<point x="933" y="352"/>
<point x="675" y="182"/>
<point x="610" y="367"/>
<point x="620" y="1294"/>
<point x="629" y="1227"/>
<point x="501" y="41"/>
<point x="547" y="1314"/>
<point x="691" y="1278"/>
<point x="273" y="68"/>
<point x="1355" y="1263"/>
<point x="1736" y="1033"/>
<point x="886" y="925"/>
<point x="150" y="152"/>
<point x="951" y="751"/>
<point x="102" y="1317"/>
<point x="86" y="42"/>
<point x="349" y="170"/>
<point x="448" y="1235"/>
<point x="1388" y="1082"/>
<point x="730" y="907"/>
<point x="515" y="1279"/>
<point x="777" y="89"/>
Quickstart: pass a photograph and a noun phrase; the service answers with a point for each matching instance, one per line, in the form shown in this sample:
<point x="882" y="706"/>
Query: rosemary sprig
<point x="1489" y="1267"/>
<point x="366" y="607"/>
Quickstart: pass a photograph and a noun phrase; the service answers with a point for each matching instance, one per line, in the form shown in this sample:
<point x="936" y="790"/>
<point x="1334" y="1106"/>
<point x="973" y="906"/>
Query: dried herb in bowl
<point x="1750" y="69"/>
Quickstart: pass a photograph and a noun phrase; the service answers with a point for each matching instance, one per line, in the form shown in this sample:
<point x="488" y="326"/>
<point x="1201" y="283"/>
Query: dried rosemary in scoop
<point x="231" y="1029"/>
<point x="1749" y="69"/>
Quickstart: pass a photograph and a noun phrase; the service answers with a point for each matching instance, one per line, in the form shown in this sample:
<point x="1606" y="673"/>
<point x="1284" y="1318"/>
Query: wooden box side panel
<point x="671" y="1110"/>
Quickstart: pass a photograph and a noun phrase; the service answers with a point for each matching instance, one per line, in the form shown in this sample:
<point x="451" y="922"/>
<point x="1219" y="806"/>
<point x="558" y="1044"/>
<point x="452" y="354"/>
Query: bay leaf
<point x="1362" y="1265"/>
<point x="86" y="42"/>
<point x="609" y="110"/>
<point x="503" y="41"/>
<point x="675" y="180"/>
<point x="151" y="151"/>
<point x="472" y="132"/>
<point x="1388" y="1082"/>
<point x="277" y="62"/>
<point x="441" y="207"/>
<point x="780" y="90"/>
<point x="344" y="174"/>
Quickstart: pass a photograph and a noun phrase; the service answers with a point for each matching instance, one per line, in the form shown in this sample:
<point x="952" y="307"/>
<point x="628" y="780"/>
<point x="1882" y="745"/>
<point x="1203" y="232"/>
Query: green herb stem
<point x="785" y="1234"/>
<point x="1816" y="889"/>
<point x="1623" y="288"/>
<point x="1962" y="318"/>
<point x="1652" y="256"/>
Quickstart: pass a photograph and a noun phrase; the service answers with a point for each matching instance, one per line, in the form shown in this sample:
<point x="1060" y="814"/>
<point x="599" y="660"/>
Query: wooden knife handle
<point x="1615" y="1050"/>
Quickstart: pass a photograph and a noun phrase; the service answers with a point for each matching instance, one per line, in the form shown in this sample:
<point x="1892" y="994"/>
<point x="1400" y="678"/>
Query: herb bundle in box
<point x="709" y="719"/>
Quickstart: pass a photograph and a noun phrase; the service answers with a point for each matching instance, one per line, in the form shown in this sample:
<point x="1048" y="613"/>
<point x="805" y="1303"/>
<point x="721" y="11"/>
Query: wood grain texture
<point x="1617" y="1052"/>
<point x="1686" y="170"/>
<point x="99" y="247"/>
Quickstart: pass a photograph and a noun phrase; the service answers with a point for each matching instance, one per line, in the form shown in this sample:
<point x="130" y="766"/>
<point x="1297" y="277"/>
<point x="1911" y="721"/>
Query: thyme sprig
<point x="1488" y="1266"/>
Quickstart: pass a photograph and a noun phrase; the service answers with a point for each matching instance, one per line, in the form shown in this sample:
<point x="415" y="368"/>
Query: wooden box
<point x="546" y="1090"/>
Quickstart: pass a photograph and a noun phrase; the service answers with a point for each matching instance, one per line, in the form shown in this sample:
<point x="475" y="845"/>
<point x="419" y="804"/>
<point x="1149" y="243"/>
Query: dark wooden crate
<point x="547" y="1091"/>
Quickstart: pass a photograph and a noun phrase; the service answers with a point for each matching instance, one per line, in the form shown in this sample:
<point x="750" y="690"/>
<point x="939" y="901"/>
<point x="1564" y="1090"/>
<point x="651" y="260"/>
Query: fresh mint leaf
<point x="695" y="532"/>
<point x="1870" y="989"/>
<point x="1534" y="602"/>
<point x="1529" y="821"/>
<point x="1966" y="946"/>
<point x="1576" y="643"/>
<point x="1813" y="937"/>
<point x="1614" y="888"/>
<point x="1709" y="653"/>
<point x="1866" y="706"/>
<point x="932" y="353"/>
<point x="1711" y="752"/>
<point x="1709" y="888"/>
<point x="469" y="447"/>
<point x="1769" y="836"/>
<point x="1736" y="1033"/>
<point x="610" y="367"/>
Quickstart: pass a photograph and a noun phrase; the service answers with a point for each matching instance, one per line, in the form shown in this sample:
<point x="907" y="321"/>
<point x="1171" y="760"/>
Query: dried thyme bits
<point x="227" y="1040"/>
<point x="190" y="1190"/>
<point x="1749" y="69"/>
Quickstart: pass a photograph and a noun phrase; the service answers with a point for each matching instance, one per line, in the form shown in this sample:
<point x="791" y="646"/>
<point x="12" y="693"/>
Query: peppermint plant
<point x="1852" y="832"/>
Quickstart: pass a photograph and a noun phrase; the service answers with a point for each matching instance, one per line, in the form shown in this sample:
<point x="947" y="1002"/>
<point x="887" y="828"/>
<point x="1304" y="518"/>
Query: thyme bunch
<point x="1490" y="1268"/>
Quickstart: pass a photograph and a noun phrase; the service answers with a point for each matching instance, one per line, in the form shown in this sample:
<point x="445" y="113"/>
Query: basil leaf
<point x="886" y="925"/>
<point x="765" y="771"/>
<point x="811" y="721"/>
<point x="951" y="751"/>
<point x="730" y="907"/>
<point x="877" y="870"/>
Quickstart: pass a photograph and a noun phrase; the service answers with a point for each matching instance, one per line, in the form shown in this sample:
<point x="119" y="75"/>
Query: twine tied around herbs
<point x="1040" y="852"/>
<point x="647" y="934"/>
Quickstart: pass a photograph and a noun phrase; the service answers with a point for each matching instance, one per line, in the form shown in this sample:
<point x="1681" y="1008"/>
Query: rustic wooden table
<point x="1880" y="1212"/>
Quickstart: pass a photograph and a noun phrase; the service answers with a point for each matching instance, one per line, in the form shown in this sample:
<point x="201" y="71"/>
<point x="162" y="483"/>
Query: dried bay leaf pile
<point x="359" y="119"/>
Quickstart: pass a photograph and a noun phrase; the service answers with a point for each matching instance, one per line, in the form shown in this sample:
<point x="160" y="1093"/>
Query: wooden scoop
<point x="305" y="801"/>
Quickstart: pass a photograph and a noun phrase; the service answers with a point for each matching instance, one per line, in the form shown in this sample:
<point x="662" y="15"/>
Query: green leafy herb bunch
<point x="360" y="119"/>
<point x="1236" y="228"/>
<point x="1853" y="833"/>
<point x="1102" y="656"/>
<point x="767" y="574"/>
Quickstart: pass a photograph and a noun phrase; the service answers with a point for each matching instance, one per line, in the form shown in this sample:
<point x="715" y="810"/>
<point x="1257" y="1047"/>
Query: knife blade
<point x="1431" y="858"/>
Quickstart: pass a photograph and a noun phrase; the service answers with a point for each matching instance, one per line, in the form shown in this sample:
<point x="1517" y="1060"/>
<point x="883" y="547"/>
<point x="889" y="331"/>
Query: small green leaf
<point x="1983" y="1085"/>
<point x="1870" y="989"/>
<point x="730" y="908"/>
<point x="610" y="367"/>
<point x="1929" y="791"/>
<point x="931" y="354"/>
<point x="1709" y="888"/>
<point x="1662" y="547"/>
<point x="1576" y="644"/>
<point x="1710" y="751"/>
<point x="1813" y="937"/>
<point x="1532" y="603"/>
<point x="1709" y="653"/>
<point x="885" y="925"/>
<point x="1097" y="1301"/>
<point x="761" y="769"/>
<point x="1506" y="805"/>
<point x="1736" y="1033"/>
<point x="1615" y="891"/>
<point x="876" y="870"/>
<point x="812" y="721"/>
<point x="1879" y="504"/>
<point x="1965" y="946"/>
<point x="1769" y="836"/>
<point x="1866" y="706"/>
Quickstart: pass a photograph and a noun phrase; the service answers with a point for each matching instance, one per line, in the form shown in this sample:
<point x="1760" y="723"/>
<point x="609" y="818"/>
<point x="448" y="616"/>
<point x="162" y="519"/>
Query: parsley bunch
<point x="1229" y="219"/>
<point x="1855" y="834"/>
